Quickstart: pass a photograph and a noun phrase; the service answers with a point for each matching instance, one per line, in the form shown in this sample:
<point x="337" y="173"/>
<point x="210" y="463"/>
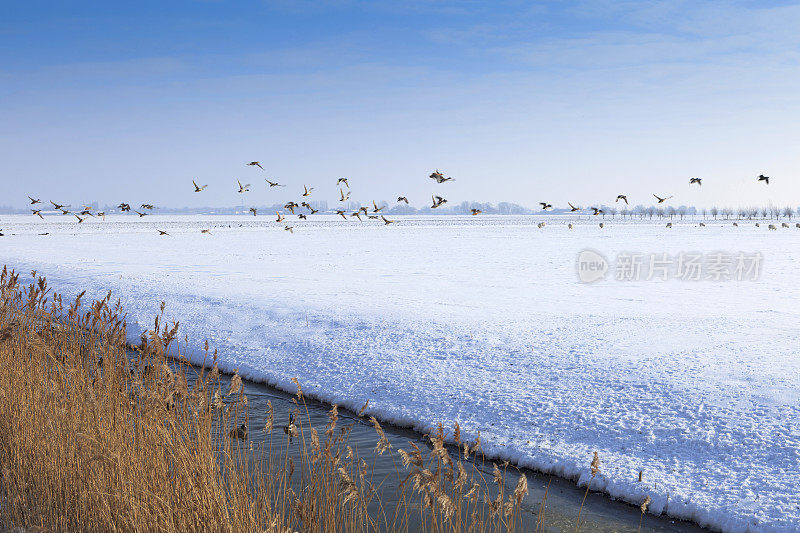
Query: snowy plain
<point x="482" y="320"/>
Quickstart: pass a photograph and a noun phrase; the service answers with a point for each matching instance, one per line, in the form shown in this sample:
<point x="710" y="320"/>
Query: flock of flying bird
<point x="342" y="183"/>
<point x="624" y="198"/>
<point x="344" y="195"/>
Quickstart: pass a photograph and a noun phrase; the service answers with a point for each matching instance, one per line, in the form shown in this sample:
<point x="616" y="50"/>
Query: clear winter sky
<point x="519" y="101"/>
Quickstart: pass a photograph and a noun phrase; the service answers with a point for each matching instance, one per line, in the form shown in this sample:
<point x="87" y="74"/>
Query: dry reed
<point x="98" y="435"/>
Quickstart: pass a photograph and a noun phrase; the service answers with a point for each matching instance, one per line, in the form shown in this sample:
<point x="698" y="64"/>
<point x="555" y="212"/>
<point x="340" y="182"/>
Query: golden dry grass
<point x="92" y="439"/>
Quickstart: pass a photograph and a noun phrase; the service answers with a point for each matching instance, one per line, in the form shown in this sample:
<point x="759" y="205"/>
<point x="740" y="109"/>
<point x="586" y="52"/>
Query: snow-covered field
<point x="482" y="320"/>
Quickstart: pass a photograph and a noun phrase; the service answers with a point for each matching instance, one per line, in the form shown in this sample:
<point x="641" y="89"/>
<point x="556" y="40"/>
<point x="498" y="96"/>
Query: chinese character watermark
<point x="686" y="266"/>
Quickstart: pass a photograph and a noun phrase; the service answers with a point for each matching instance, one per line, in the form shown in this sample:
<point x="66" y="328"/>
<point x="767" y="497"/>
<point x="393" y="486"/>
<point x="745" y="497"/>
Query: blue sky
<point x="520" y="101"/>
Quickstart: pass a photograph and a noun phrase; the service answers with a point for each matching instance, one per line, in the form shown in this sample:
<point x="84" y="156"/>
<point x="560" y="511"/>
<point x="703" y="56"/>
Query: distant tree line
<point x="503" y="208"/>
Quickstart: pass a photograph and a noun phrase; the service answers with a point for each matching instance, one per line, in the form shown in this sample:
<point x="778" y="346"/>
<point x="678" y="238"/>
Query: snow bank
<point x="482" y="321"/>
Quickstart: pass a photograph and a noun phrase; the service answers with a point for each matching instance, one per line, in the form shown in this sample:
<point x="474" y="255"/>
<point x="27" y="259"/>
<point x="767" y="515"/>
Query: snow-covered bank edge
<point x="547" y="461"/>
<point x="564" y="468"/>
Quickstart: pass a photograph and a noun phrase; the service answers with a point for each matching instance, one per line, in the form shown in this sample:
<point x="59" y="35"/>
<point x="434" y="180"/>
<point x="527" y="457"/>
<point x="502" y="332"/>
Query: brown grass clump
<point x="94" y="439"/>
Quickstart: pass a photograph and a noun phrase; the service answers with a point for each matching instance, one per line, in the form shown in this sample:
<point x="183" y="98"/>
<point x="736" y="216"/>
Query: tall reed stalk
<point x="93" y="438"/>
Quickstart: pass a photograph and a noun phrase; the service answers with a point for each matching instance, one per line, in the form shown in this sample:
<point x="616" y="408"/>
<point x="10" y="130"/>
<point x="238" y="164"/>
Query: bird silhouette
<point x="344" y="197"/>
<point x="57" y="206"/>
<point x="273" y="183"/>
<point x="357" y="214"/>
<point x="206" y="231"/>
<point x="102" y="214"/>
<point x="147" y="206"/>
<point x="386" y="221"/>
<point x="290" y="206"/>
<point x="375" y="208"/>
<point x="239" y="433"/>
<point x="290" y="428"/>
<point x="243" y="188"/>
<point x="162" y="232"/>
<point x="438" y="201"/>
<point x="301" y="216"/>
<point x="313" y="210"/>
<point x="255" y="164"/>
<point x="698" y="181"/>
<point x="253" y="210"/>
<point x="34" y="200"/>
<point x="341" y="213"/>
<point x="597" y="211"/>
<point x="37" y="212"/>
<point x="622" y="197"/>
<point x="198" y="188"/>
<point x="280" y="217"/>
<point x="572" y="208"/>
<point x="80" y="220"/>
<point x="402" y="199"/>
<point x="343" y="180"/>
<point x="140" y="214"/>
<point x="290" y="229"/>
<point x="476" y="211"/>
<point x="307" y="191"/>
<point x="762" y="177"/>
<point x="545" y="205"/>
<point x="439" y="177"/>
<point x="124" y="207"/>
<point x="662" y="200"/>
